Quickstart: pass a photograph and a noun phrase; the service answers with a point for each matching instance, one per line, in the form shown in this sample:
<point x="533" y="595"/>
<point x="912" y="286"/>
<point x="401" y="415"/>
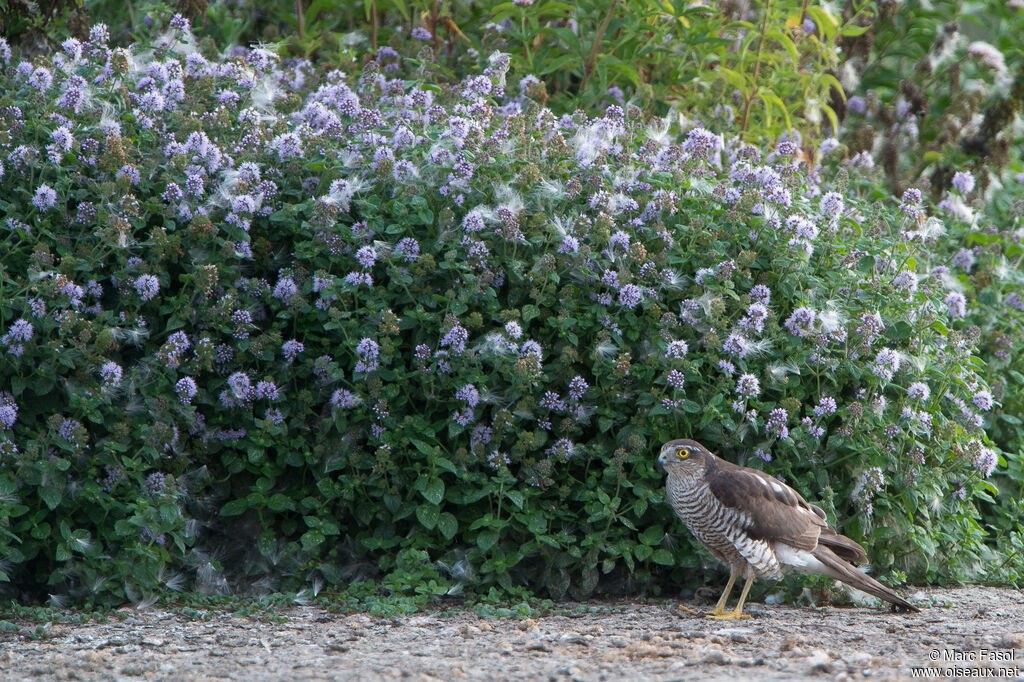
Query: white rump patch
<point x="776" y="487"/>
<point x="800" y="560"/>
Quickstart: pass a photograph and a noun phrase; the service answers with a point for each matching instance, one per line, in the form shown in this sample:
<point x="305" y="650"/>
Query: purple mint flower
<point x="469" y="394"/>
<point x="267" y="390"/>
<point x="676" y="379"/>
<point x="291" y="349"/>
<point x="178" y="343"/>
<point x="736" y="345"/>
<point x="630" y="295"/>
<point x="918" y="391"/>
<point x="357" y="279"/>
<point x="577" y="387"/>
<point x="831" y="206"/>
<point x="41" y="79"/>
<point x="409" y="249"/>
<point x="181" y="23"/>
<point x="887" y="363"/>
<point x="455" y="339"/>
<point x="776" y="425"/>
<point x="982" y="400"/>
<point x="905" y="280"/>
<point x="111" y="373"/>
<point x="20" y="331"/>
<point x="148" y="286"/>
<point x="287" y="146"/>
<point x="620" y="239"/>
<point x="366" y="257"/>
<point x="964" y="259"/>
<point x="755" y="318"/>
<point x="285" y="289"/>
<point x="761" y="294"/>
<point x="800" y="322"/>
<point x="513" y="329"/>
<point x="344" y="399"/>
<point x="368" y="349"/>
<point x="677" y="350"/>
<point x="963" y="182"/>
<point x="464" y="417"/>
<point x="727" y="367"/>
<point x="44" y="198"/>
<point x="186" y="389"/>
<point x="956" y="305"/>
<point x="8" y="410"/>
<point x="748" y="386"/>
<point x="155" y="483"/>
<point x="825" y="407"/>
<point x="700" y="143"/>
<point x="986" y="461"/>
<point x="240" y="385"/>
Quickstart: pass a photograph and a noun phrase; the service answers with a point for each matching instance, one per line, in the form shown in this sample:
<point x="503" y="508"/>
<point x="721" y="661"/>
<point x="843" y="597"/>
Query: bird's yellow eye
<point x="683" y="453"/>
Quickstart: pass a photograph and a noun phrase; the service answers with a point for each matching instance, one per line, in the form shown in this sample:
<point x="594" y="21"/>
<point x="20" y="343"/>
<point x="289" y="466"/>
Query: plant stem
<point x="373" y="17"/>
<point x="299" y="18"/>
<point x="757" y="66"/>
<point x="588" y="67"/>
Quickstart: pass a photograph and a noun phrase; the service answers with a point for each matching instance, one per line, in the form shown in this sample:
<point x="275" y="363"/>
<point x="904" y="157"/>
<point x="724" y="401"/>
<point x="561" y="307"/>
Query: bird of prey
<point x="758" y="526"/>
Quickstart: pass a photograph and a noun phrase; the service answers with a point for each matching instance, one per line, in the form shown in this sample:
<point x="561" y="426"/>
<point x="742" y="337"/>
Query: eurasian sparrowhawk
<point x="757" y="525"/>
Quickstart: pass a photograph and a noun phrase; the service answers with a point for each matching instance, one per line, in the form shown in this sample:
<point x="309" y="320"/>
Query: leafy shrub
<point x="264" y="325"/>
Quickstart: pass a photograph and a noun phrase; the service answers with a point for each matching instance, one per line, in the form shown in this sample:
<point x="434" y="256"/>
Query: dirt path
<point x="979" y="630"/>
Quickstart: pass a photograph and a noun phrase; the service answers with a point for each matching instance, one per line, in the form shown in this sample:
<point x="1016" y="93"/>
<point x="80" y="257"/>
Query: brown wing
<point x="776" y="511"/>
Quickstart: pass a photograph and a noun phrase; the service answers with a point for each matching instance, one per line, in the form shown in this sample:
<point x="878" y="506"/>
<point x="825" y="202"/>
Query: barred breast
<point x="722" y="530"/>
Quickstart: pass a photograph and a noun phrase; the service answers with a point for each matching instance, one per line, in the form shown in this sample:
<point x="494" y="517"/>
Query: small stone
<point x="715" y="657"/>
<point x="819" y="661"/>
<point x="738" y="635"/>
<point x="789" y="643"/>
<point x="617" y="642"/>
<point x="1009" y="640"/>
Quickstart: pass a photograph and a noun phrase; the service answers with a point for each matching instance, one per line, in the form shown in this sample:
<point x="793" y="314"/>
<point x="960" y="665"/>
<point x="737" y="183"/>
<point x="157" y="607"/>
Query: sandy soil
<point x="973" y="631"/>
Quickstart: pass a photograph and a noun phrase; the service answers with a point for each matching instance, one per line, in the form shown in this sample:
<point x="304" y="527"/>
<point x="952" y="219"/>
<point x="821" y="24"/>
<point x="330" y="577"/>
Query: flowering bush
<point x="265" y="326"/>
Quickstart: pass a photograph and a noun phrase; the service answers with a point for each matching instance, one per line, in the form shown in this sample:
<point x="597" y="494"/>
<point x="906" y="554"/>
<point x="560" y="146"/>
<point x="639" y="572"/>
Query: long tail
<point x="854" y="577"/>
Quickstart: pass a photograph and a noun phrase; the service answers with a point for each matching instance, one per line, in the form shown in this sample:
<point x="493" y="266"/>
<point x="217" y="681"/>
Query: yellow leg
<point x="737" y="613"/>
<point x="720" y="606"/>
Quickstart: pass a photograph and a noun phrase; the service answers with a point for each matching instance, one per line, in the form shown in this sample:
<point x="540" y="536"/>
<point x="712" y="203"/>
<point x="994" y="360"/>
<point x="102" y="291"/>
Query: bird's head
<point x="683" y="455"/>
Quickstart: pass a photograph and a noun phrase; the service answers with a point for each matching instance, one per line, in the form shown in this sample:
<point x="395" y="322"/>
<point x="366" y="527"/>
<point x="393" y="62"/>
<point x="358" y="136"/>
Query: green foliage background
<point x="424" y="510"/>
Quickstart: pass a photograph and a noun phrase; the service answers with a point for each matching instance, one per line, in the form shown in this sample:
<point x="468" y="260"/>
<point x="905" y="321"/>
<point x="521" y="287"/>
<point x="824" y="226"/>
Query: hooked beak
<point x="661" y="460"/>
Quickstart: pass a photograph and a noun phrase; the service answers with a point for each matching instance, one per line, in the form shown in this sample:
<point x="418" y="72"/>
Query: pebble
<point x="819" y="661"/>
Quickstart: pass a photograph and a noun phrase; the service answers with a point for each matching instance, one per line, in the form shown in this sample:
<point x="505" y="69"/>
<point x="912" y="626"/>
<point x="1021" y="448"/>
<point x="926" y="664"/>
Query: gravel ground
<point x="976" y="630"/>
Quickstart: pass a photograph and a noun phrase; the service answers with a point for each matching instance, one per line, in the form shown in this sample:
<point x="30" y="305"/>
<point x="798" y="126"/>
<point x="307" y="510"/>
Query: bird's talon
<point x="728" y="616"/>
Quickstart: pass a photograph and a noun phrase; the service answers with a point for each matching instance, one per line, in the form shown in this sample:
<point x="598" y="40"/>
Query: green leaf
<point x="663" y="557"/>
<point x="691" y="407"/>
<point x="428" y="515"/>
<point x="652" y="535"/>
<point x="169" y="512"/>
<point x="312" y="538"/>
<point x="851" y="31"/>
<point x="234" y="507"/>
<point x="448" y="525"/>
<point x="41" y="531"/>
<point x="516" y="497"/>
<point x="433" y="491"/>
<point x="50" y="495"/>
<point x="486" y="539"/>
<point x="530" y="311"/>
